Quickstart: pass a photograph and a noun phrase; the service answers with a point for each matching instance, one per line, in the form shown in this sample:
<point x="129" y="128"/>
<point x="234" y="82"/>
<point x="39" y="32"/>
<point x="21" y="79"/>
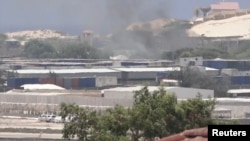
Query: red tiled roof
<point x="226" y="6"/>
<point x="198" y="134"/>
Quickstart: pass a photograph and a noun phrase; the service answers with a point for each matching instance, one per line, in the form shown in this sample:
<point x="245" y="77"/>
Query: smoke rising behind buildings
<point x="103" y="16"/>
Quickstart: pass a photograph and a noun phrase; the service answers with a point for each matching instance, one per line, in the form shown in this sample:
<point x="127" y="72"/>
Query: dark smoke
<point x="144" y="44"/>
<point x="135" y="44"/>
<point x="124" y="12"/>
<point x="101" y="16"/>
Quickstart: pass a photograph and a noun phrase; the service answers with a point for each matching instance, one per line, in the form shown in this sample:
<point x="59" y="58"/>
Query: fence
<point x="18" y="104"/>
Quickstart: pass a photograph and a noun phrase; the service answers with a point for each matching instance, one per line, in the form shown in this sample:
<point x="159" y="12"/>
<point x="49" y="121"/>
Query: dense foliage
<point x="3" y="76"/>
<point x="206" y="53"/>
<point x="59" y="48"/>
<point x="3" y="37"/>
<point x="194" y="78"/>
<point x="153" y="114"/>
<point x="38" y="49"/>
<point x="226" y="50"/>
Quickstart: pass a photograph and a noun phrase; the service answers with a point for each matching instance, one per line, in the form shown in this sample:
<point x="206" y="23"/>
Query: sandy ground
<point x="235" y="26"/>
<point x="34" y="34"/>
<point x="30" y="135"/>
<point x="29" y="123"/>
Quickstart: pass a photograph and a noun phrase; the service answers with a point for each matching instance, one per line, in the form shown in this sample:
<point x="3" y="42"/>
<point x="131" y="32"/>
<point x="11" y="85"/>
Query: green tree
<point x="38" y="49"/>
<point x="117" y="120"/>
<point x="78" y="50"/>
<point x="153" y="114"/>
<point x="211" y="53"/>
<point x="194" y="78"/>
<point x="208" y="52"/>
<point x="82" y="122"/>
<point x="198" y="112"/>
<point x="87" y="125"/>
<point x="107" y="136"/>
<point x="2" y="79"/>
<point x="4" y="75"/>
<point x="3" y="37"/>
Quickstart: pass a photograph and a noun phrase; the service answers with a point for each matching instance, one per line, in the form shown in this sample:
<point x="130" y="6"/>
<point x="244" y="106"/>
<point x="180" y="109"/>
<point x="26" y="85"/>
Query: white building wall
<point x="142" y="75"/>
<point x="198" y="61"/>
<point x="180" y="92"/>
<point x="188" y="93"/>
<point x="75" y="75"/>
<point x="106" y="81"/>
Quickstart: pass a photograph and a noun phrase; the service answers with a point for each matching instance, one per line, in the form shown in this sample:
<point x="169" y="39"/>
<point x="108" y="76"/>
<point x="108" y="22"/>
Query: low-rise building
<point x="180" y="92"/>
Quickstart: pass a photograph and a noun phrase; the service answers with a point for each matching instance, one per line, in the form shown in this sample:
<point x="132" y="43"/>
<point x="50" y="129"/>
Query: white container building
<point x="180" y="92"/>
<point x="104" y="81"/>
<point x="43" y="73"/>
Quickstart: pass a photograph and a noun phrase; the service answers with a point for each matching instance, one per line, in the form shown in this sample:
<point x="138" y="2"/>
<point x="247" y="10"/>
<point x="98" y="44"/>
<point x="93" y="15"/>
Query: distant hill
<point x="236" y="26"/>
<point x="154" y="25"/>
<point x="36" y="34"/>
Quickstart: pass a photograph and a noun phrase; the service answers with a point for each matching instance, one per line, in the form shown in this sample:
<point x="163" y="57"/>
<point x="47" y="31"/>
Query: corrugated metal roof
<point x="99" y="70"/>
<point x="41" y="87"/>
<point x="236" y="91"/>
<point x="135" y="88"/>
<point x="233" y="99"/>
<point x="210" y="69"/>
<point x="150" y="88"/>
<point x="148" y="69"/>
<point x="226" y="6"/>
<point x="38" y="71"/>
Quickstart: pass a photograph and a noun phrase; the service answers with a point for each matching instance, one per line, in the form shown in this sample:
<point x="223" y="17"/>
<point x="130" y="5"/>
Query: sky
<point x="102" y="16"/>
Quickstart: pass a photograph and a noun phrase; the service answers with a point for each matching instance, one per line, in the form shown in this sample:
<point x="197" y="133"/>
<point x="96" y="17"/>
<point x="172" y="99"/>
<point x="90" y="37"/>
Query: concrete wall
<point x="106" y="81"/>
<point x="18" y="104"/>
<point x="238" y="108"/>
<point x="181" y="93"/>
<point x="35" y="105"/>
<point x="77" y="75"/>
<point x="142" y="75"/>
<point x="187" y="93"/>
<point x="57" y="99"/>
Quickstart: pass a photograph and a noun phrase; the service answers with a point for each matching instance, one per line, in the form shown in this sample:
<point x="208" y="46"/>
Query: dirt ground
<point x="28" y="123"/>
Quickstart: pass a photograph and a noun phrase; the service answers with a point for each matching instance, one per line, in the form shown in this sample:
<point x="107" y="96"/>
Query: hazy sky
<point x="104" y="16"/>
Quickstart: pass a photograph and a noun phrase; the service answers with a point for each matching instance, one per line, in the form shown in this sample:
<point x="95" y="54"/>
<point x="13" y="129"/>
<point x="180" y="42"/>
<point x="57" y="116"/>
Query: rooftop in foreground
<point x="197" y="134"/>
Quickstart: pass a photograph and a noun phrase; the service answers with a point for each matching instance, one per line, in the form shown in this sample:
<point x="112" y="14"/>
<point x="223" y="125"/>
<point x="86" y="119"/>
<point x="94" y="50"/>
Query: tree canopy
<point x="3" y="37"/>
<point x="190" y="77"/>
<point x="206" y="53"/>
<point x="38" y="49"/>
<point x="59" y="48"/>
<point x="153" y="114"/>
